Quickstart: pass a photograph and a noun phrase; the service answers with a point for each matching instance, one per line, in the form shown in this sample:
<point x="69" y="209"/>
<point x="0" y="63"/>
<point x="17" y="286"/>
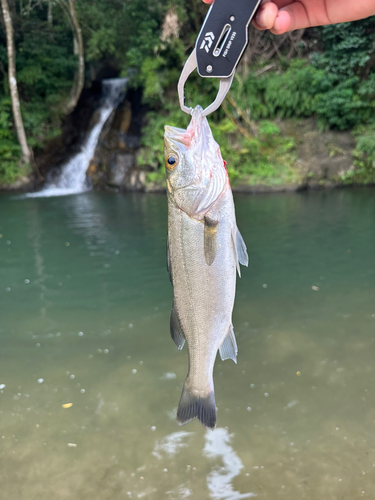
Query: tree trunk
<point x="49" y="13"/>
<point x="26" y="152"/>
<point x="78" y="49"/>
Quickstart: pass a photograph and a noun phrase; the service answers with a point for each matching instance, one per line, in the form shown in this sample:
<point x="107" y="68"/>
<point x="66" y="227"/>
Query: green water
<point x="84" y="319"/>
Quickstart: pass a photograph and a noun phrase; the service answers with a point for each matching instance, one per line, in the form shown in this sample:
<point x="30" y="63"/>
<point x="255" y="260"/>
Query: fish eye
<point x="171" y="161"/>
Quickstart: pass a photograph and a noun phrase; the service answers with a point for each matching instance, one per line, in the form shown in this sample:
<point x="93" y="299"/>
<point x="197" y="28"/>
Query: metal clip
<point x="190" y="66"/>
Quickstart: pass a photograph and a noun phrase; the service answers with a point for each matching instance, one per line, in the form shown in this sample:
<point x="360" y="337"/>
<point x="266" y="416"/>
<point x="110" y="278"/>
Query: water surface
<point x="84" y="320"/>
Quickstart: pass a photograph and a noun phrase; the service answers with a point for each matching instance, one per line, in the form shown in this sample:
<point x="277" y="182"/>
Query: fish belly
<point x="203" y="294"/>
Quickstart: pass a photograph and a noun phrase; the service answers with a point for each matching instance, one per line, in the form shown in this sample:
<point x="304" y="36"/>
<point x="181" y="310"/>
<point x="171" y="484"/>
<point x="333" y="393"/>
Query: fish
<point x="204" y="250"/>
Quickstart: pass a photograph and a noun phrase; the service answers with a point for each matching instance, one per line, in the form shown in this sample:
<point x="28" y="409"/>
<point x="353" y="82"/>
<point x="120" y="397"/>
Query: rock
<point x="24" y="183"/>
<point x="324" y="156"/>
<point x="115" y="134"/>
<point x="135" y="180"/>
<point x="125" y="118"/>
<point x="93" y="167"/>
<point x="119" y="165"/>
<point x="130" y="141"/>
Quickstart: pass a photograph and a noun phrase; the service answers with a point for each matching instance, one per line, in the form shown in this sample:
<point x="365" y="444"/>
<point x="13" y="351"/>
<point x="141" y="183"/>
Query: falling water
<point x="72" y="178"/>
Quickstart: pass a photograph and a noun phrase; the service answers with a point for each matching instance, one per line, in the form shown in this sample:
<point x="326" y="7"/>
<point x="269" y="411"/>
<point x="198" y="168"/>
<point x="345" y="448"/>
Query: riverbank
<point x="307" y="159"/>
<point x="286" y="91"/>
<point x="297" y="156"/>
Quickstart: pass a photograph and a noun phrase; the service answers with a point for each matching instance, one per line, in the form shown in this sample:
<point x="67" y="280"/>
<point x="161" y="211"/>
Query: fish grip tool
<point x="220" y="45"/>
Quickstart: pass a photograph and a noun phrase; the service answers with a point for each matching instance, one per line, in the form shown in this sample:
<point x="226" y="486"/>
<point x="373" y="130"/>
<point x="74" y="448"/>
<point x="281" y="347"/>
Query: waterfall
<point x="72" y="178"/>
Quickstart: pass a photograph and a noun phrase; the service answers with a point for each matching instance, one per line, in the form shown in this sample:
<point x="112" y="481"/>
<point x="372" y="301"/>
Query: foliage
<point x="9" y="169"/>
<point x="333" y="89"/>
<point x="333" y="80"/>
<point x="347" y="48"/>
<point x="363" y="157"/>
<point x="9" y="149"/>
<point x="267" y="158"/>
<point x="303" y="90"/>
<point x="345" y="97"/>
<point x="105" y="27"/>
<point x="282" y="94"/>
<point x="45" y="71"/>
<point x="346" y="104"/>
<point x="338" y="88"/>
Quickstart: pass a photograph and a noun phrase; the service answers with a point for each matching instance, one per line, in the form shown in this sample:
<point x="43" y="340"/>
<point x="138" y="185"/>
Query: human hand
<point x="281" y="16"/>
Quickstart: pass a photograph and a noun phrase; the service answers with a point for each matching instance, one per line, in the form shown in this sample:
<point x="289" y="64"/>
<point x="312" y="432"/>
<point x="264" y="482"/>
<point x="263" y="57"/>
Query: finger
<point x="282" y="3"/>
<point x="266" y="16"/>
<point x="208" y="1"/>
<point x="282" y="23"/>
<point x="292" y="17"/>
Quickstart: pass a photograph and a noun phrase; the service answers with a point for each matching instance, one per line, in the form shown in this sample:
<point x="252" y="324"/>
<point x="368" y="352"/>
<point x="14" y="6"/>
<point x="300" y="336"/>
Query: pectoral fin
<point x="240" y="250"/>
<point x="228" y="349"/>
<point x="210" y="234"/>
<point x="176" y="330"/>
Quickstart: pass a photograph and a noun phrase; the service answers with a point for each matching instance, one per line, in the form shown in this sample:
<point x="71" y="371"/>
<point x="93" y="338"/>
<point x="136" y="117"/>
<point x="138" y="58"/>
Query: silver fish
<point x="204" y="248"/>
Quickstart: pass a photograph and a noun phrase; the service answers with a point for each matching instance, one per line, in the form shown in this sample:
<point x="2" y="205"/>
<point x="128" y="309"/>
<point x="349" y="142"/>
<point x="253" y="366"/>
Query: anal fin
<point x="176" y="330"/>
<point x="228" y="349"/>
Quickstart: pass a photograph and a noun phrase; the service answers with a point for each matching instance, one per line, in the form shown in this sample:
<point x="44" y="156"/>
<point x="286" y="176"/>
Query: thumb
<point x="290" y="18"/>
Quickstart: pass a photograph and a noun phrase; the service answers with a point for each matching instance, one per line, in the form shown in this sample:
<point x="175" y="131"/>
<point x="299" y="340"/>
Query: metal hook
<point x="190" y="66"/>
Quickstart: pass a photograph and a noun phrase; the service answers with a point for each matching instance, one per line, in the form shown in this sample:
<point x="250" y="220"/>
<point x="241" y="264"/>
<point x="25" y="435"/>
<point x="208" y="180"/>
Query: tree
<point x="79" y="80"/>
<point x="26" y="154"/>
<point x="50" y="13"/>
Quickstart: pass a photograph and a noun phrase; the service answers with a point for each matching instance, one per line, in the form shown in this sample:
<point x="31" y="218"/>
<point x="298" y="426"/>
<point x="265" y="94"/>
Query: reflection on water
<point x="171" y="444"/>
<point x="219" y="481"/>
<point x="90" y="379"/>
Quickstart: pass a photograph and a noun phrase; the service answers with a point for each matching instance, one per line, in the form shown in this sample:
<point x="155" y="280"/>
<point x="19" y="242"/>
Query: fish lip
<point x="174" y="130"/>
<point x="179" y="135"/>
<point x="174" y="133"/>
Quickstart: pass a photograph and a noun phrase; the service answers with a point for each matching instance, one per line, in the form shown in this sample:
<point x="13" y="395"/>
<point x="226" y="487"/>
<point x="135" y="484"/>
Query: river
<point x="90" y="378"/>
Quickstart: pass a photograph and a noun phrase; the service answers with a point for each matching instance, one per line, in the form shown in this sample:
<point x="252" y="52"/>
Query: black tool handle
<point x="224" y="37"/>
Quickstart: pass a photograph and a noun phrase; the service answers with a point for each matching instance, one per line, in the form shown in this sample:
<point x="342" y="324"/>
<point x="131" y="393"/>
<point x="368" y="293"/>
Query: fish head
<point x="196" y="173"/>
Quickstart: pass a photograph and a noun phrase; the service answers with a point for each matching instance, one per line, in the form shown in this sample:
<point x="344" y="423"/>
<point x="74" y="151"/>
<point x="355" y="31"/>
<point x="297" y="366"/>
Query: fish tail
<point x="202" y="407"/>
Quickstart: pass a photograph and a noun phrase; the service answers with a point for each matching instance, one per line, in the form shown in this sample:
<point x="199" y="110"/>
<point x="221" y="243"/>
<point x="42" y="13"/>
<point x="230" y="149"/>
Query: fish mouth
<point x="188" y="136"/>
<point x="175" y="134"/>
<point x="174" y="131"/>
<point x="180" y="135"/>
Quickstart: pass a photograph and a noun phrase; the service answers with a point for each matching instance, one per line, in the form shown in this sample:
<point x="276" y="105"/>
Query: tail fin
<point x="191" y="406"/>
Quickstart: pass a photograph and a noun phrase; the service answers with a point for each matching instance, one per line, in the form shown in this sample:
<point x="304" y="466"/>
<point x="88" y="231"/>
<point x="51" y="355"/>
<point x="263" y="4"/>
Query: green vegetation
<point x="364" y="157"/>
<point x="327" y="73"/>
<point x="9" y="149"/>
<point x="330" y="77"/>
